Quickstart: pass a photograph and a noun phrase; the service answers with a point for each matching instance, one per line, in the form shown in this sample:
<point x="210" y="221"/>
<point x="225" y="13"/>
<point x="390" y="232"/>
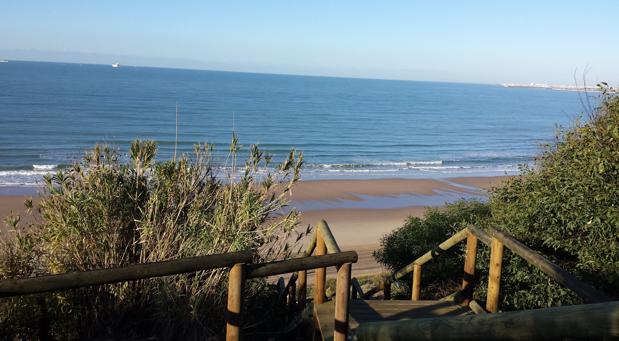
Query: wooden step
<point x="362" y="311"/>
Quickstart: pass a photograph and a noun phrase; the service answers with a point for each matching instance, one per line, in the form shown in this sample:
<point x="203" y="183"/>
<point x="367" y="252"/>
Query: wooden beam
<point x="235" y="299"/>
<point x="298" y="264"/>
<point x="442" y="247"/>
<point x="357" y="290"/>
<point x="327" y="237"/>
<point x="302" y="289"/>
<point x="416" y="288"/>
<point x="586" y="321"/>
<point x="320" y="273"/>
<point x="494" y="276"/>
<point x="342" y="303"/>
<point x="587" y="292"/>
<point x="476" y="308"/>
<point x="480" y="234"/>
<point x="386" y="286"/>
<point x="16" y="287"/>
<point x="468" y="280"/>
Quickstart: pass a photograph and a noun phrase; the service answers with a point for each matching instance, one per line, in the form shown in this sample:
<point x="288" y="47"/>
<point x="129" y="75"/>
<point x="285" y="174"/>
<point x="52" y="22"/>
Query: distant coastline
<point x="559" y="87"/>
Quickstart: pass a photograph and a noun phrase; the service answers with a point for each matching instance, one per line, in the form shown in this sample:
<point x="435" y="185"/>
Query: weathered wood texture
<point x="362" y="311"/>
<point x="573" y="322"/>
<point x="480" y="234"/>
<point x="327" y="236"/>
<point x="320" y="273"/>
<point x="416" y="291"/>
<point x="298" y="264"/>
<point x="468" y="279"/>
<point x="302" y="289"/>
<point x="342" y="302"/>
<point x="235" y="299"/>
<point x="494" y="276"/>
<point x="587" y="292"/>
<point x="386" y="287"/>
<point x="15" y="287"/>
<point x="442" y="247"/>
<point x="356" y="288"/>
<point x="476" y="308"/>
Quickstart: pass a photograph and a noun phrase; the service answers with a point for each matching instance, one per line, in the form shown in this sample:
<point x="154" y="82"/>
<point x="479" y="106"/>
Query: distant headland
<point x="552" y="86"/>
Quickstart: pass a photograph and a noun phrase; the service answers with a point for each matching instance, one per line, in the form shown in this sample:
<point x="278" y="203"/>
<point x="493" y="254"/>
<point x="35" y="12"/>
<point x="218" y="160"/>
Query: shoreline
<point x="359" y="212"/>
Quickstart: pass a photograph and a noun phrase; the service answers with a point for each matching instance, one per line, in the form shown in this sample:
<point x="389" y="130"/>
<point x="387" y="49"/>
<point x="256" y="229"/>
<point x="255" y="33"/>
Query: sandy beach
<point x="361" y="228"/>
<point x="359" y="212"/>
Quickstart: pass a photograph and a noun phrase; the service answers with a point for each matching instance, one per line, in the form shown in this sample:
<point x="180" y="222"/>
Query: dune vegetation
<point x="565" y="206"/>
<point x="112" y="210"/>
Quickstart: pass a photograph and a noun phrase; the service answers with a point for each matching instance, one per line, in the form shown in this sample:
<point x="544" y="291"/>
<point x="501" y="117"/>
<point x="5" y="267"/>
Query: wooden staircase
<point x="364" y="311"/>
<point x="354" y="314"/>
<point x="351" y="313"/>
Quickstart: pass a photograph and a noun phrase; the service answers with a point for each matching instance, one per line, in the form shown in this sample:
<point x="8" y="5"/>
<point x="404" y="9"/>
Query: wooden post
<point x="494" y="276"/>
<point x="302" y="289"/>
<point x="416" y="282"/>
<point x="387" y="288"/>
<point x="321" y="273"/>
<point x="292" y="295"/>
<point x="235" y="299"/>
<point x="341" y="303"/>
<point x="468" y="280"/>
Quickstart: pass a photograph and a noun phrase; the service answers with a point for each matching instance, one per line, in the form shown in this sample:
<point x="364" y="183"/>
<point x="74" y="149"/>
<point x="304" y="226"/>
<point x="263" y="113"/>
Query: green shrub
<point x="420" y="235"/>
<point x="104" y="212"/>
<point x="567" y="205"/>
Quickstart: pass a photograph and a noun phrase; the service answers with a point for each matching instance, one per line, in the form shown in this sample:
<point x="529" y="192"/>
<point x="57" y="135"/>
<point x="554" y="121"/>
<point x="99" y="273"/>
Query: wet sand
<point x="359" y="229"/>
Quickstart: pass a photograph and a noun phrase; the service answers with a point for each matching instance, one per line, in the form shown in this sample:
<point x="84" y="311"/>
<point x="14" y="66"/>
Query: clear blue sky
<point x="462" y="41"/>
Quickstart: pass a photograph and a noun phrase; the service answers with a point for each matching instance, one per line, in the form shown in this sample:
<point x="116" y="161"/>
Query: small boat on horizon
<point x="115" y="65"/>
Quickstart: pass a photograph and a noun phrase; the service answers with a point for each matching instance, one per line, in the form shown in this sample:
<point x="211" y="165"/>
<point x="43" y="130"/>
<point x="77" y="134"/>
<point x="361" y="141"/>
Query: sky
<point x="457" y="41"/>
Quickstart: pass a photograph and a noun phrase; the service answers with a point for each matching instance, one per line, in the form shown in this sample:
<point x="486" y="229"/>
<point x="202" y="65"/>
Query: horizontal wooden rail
<point x="587" y="292"/>
<point x="481" y="235"/>
<point x="298" y="264"/>
<point x="577" y="321"/>
<point x="444" y="246"/>
<point x="72" y="280"/>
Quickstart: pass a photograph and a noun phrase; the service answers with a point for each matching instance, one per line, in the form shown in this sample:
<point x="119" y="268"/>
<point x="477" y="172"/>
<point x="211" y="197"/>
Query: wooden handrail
<point x="442" y="247"/>
<point x="585" y="291"/>
<point x="72" y="280"/>
<point x="327" y="236"/>
<point x="577" y="321"/>
<point x="297" y="264"/>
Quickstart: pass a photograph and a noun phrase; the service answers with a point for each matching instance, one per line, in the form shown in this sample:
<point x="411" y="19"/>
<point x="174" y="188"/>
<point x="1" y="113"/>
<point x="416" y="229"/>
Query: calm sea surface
<point x="50" y="113"/>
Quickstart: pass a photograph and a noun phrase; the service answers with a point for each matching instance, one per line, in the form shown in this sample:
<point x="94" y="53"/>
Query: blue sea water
<point x="50" y="113"/>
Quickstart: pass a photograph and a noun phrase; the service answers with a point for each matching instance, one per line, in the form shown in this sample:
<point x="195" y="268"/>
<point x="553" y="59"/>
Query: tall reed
<point x="104" y="212"/>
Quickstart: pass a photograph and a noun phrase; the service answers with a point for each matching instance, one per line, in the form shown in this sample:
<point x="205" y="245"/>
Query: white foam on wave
<point x="23" y="177"/>
<point x="44" y="167"/>
<point x="378" y="164"/>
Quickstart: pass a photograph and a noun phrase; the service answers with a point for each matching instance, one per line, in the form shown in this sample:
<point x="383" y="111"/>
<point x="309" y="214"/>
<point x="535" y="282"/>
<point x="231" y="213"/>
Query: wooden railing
<point x="323" y="246"/>
<point x="587" y="320"/>
<point x="241" y="272"/>
<point x="496" y="241"/>
<point x="72" y="280"/>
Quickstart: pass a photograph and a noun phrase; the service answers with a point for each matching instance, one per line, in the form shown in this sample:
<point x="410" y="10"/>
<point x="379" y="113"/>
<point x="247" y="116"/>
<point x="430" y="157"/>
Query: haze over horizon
<point x="472" y="42"/>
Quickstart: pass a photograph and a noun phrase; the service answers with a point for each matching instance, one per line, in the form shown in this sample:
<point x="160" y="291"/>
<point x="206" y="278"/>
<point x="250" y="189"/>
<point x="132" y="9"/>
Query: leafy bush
<point x="104" y="213"/>
<point x="567" y="205"/>
<point x="420" y="235"/>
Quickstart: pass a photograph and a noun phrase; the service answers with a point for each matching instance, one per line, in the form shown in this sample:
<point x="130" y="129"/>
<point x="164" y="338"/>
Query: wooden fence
<point x="241" y="269"/>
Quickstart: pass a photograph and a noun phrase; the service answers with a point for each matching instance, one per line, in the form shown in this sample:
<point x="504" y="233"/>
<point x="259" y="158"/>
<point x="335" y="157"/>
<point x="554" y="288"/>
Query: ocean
<point x="50" y="113"/>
